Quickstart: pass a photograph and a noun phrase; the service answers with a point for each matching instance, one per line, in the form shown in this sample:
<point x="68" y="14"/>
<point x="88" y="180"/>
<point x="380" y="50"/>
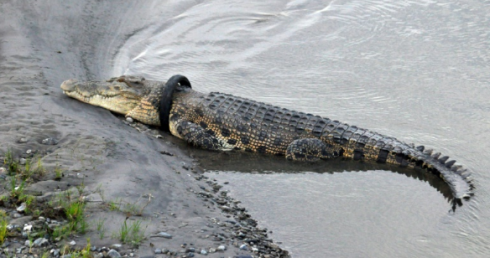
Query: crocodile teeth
<point x="428" y="152"/>
<point x="420" y="148"/>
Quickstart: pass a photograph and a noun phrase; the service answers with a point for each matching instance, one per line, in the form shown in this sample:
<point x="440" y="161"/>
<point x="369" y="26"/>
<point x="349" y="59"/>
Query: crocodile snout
<point x="69" y="85"/>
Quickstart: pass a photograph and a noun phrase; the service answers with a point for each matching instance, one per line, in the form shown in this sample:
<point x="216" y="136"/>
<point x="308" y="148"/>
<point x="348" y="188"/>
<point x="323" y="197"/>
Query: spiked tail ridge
<point x="456" y="177"/>
<point x="361" y="144"/>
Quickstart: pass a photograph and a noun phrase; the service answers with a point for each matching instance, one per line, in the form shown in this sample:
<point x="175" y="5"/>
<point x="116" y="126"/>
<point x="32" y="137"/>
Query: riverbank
<point x="122" y="174"/>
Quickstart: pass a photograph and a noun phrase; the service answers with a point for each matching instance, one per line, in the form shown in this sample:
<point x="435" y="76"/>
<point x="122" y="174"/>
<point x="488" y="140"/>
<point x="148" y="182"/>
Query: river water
<point x="416" y="70"/>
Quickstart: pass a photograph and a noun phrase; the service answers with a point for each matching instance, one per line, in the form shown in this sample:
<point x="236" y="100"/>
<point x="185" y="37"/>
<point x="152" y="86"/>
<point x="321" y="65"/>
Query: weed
<point x="100" y="228"/>
<point x="115" y="205"/>
<point x="16" y="191"/>
<point x="80" y="189"/>
<point x="100" y="191"/>
<point x="58" y="173"/>
<point x="3" y="227"/>
<point x="12" y="166"/>
<point x="131" y="233"/>
<point x="39" y="167"/>
<point x="83" y="253"/>
<point x="131" y="208"/>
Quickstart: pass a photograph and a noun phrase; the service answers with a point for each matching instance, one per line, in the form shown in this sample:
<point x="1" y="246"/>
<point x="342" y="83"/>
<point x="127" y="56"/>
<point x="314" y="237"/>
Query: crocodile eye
<point x="117" y="87"/>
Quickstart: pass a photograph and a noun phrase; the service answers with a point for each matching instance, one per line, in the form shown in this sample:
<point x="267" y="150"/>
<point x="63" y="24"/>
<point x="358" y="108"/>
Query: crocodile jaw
<point x="115" y="96"/>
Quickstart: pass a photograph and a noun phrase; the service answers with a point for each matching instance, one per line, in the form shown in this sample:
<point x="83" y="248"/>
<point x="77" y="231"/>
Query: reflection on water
<point x="416" y="70"/>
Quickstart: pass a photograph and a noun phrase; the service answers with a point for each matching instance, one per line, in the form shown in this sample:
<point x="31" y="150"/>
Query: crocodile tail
<point x="456" y="177"/>
<point x="361" y="144"/>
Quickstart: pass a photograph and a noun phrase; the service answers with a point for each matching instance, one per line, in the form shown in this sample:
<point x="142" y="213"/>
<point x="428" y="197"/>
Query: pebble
<point x="204" y="252"/>
<point x="222" y="248"/>
<point x="22" y="161"/>
<point x="22" y="207"/>
<point x="164" y="235"/>
<point x="41" y="242"/>
<point x="27" y="228"/>
<point x="49" y="141"/>
<point x="72" y="243"/>
<point x="28" y="151"/>
<point x="158" y="251"/>
<point x="116" y="246"/>
<point x="113" y="253"/>
<point x="129" y="119"/>
<point x="243" y="247"/>
<point x="55" y="252"/>
<point x="23" y="140"/>
<point x="212" y="250"/>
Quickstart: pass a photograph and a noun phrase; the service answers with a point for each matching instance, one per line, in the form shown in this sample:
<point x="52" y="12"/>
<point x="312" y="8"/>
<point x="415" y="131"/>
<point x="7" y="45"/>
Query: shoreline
<point x="124" y="176"/>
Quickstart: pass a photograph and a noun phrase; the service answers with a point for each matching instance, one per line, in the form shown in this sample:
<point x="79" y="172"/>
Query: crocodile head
<point x="128" y="96"/>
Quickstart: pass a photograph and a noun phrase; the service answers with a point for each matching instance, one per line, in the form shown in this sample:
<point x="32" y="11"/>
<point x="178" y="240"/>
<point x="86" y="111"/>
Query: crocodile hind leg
<point x="308" y="149"/>
<point x="198" y="136"/>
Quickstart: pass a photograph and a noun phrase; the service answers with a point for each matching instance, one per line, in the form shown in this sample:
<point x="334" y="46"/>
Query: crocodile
<point x="220" y="121"/>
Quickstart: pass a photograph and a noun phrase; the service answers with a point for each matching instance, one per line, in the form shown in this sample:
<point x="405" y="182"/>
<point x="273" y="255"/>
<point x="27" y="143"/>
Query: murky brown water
<point x="415" y="70"/>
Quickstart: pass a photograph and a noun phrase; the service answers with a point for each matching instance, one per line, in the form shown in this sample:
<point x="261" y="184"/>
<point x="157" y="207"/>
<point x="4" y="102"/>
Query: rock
<point x="28" y="242"/>
<point x="55" y="252"/>
<point x="163" y="234"/>
<point x="22" y="207"/>
<point x="22" y="161"/>
<point x="49" y="141"/>
<point x="72" y="243"/>
<point x="27" y="228"/>
<point x="222" y="248"/>
<point x="5" y="244"/>
<point x="41" y="242"/>
<point x="116" y="246"/>
<point x="204" y="252"/>
<point x="212" y="250"/>
<point x="129" y="119"/>
<point x="113" y="253"/>
<point x="99" y="255"/>
<point x="244" y="247"/>
<point x="22" y="140"/>
<point x="29" y="151"/>
<point x="20" y="221"/>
